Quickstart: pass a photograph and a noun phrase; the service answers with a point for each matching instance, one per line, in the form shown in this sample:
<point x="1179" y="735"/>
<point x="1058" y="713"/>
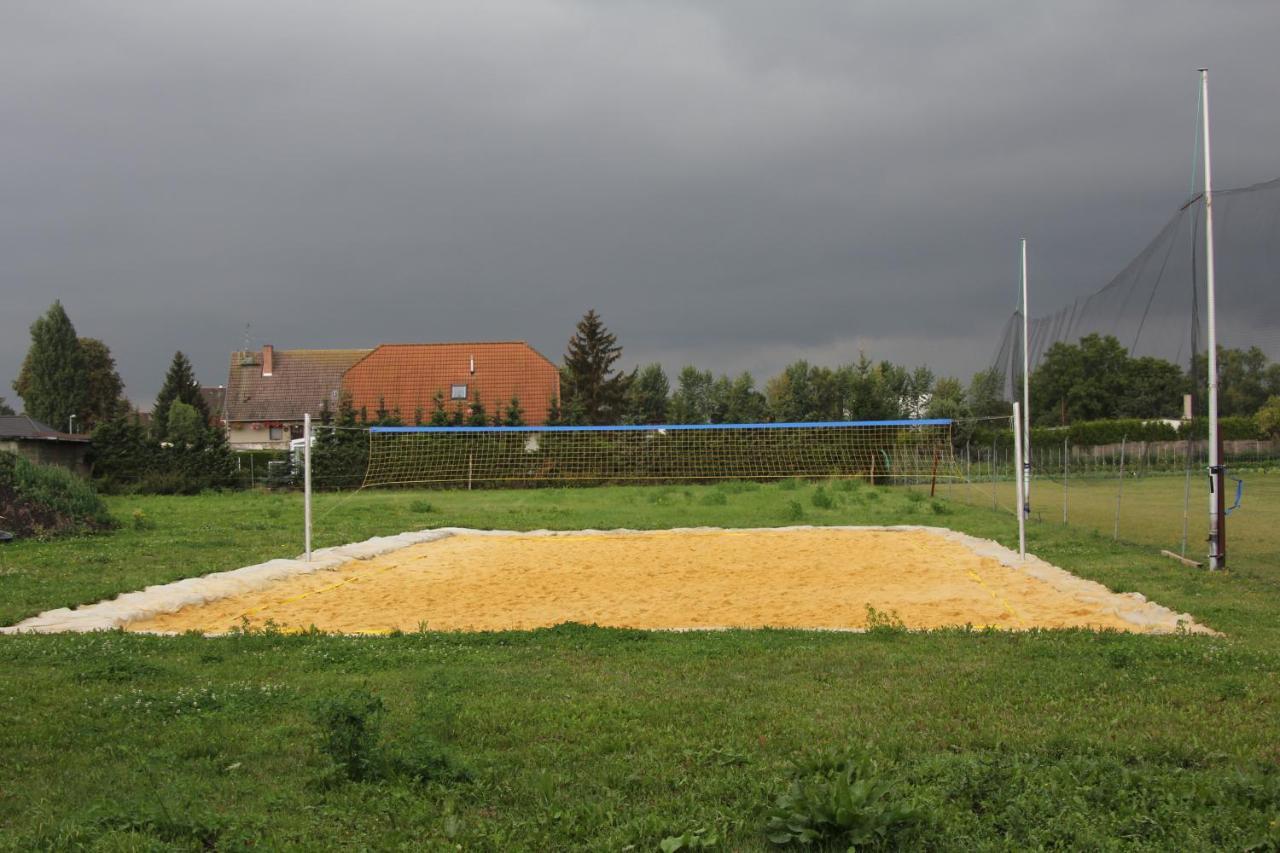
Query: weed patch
<point x="841" y="798"/>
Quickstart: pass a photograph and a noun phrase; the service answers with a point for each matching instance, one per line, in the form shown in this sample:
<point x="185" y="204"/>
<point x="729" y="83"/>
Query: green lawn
<point x="582" y="738"/>
<point x="1151" y="510"/>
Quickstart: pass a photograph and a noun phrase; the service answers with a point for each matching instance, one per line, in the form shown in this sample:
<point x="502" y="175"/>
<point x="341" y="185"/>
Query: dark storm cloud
<point x="733" y="183"/>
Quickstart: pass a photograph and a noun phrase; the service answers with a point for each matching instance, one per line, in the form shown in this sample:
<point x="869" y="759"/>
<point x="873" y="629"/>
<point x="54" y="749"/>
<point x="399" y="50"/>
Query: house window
<point x="458" y="392"/>
<point x="274" y="433"/>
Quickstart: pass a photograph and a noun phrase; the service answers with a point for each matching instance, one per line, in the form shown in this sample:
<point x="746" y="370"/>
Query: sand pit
<point x="820" y="578"/>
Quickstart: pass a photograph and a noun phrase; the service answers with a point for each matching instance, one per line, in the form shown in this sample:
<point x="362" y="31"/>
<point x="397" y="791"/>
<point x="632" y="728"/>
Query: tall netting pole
<point x="1017" y="480"/>
<point x="1026" y="391"/>
<point x="1217" y="504"/>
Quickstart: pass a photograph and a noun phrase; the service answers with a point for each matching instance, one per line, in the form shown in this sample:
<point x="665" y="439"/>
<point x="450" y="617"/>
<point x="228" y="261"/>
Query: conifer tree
<point x="477" y="416"/>
<point x="592" y="390"/>
<point x="180" y="384"/>
<point x="514" y="415"/>
<point x="5" y="408"/>
<point x="439" y="417"/>
<point x="52" y="382"/>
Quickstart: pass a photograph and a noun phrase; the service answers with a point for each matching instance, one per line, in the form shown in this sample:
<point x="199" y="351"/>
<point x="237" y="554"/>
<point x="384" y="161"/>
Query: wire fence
<point x="1153" y="493"/>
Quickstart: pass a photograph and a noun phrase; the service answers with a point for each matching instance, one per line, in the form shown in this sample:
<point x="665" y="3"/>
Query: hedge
<point x="1093" y="433"/>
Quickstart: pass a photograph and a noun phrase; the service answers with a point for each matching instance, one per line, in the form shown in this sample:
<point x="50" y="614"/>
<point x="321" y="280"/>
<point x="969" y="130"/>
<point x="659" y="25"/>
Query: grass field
<point x="584" y="738"/>
<point x="1151" y="510"/>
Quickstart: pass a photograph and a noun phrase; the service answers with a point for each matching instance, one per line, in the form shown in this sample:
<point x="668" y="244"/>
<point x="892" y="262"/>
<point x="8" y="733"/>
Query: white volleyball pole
<point x="1017" y="479"/>
<point x="306" y="481"/>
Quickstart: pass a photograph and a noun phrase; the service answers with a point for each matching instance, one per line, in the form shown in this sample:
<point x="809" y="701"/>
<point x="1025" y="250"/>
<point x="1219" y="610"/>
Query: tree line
<point x="1094" y="379"/>
<point x="65" y="376"/>
<point x="67" y="381"/>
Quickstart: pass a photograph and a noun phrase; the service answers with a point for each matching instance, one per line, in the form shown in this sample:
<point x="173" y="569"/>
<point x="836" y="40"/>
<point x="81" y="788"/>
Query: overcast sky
<point x="736" y="184"/>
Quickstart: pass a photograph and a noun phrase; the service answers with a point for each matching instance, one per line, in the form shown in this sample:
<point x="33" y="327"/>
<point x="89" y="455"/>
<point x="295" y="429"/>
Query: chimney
<point x="268" y="352"/>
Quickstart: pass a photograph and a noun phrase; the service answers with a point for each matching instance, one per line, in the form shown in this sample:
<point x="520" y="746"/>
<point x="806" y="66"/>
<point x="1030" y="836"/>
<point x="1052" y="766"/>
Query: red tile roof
<point x="408" y="376"/>
<point x="301" y="380"/>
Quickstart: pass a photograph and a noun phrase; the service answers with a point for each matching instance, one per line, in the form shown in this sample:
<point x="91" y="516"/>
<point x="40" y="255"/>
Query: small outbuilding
<point x="43" y="445"/>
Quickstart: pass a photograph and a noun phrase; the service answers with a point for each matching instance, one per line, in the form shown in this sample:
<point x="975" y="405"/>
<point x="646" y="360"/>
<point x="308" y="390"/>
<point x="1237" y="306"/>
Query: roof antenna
<point x="247" y="326"/>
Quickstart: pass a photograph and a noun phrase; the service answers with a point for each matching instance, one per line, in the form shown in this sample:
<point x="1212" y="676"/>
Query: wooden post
<point x="933" y="478"/>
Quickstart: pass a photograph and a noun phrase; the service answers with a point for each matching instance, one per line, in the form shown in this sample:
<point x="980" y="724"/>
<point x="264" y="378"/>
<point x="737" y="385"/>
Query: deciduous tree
<point x="104" y="390"/>
<point x="647" y="395"/>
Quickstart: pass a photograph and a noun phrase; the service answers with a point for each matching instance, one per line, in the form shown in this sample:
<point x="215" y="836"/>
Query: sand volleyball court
<point x="820" y="578"/>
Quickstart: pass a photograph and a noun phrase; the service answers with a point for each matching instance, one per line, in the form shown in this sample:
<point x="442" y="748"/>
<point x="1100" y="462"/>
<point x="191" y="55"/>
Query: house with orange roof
<point x="409" y="379"/>
<point x="268" y="392"/>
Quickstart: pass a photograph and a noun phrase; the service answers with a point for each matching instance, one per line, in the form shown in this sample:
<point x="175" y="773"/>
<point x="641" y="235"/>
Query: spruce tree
<point x="592" y="390"/>
<point x="439" y="417"/>
<point x="5" y="408"/>
<point x="52" y="382"/>
<point x="180" y="383"/>
<point x="476" y="416"/>
<point x="514" y="415"/>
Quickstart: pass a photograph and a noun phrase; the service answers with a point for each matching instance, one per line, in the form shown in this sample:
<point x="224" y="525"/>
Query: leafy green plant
<point x="697" y="839"/>
<point x="349" y="724"/>
<point x="422" y="506"/>
<point x="795" y="511"/>
<point x="139" y="520"/>
<point x="840" y="797"/>
<point x="789" y="485"/>
<point x="714" y="498"/>
<point x="822" y="499"/>
<point x="879" y="622"/>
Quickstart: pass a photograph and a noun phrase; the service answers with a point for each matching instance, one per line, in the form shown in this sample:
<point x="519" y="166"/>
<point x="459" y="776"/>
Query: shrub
<point x="1235" y="428"/>
<point x="349" y="725"/>
<point x="421" y="505"/>
<point x="1268" y="418"/>
<point x="125" y="457"/>
<point x="822" y="499"/>
<point x="795" y="511"/>
<point x="38" y="500"/>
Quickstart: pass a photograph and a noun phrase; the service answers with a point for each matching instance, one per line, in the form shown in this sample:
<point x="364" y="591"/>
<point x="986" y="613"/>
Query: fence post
<point x="1065" y="464"/>
<point x="992" y="466"/>
<point x="1119" y="489"/>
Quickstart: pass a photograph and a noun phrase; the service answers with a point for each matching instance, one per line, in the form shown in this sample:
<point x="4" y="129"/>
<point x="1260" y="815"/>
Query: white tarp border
<point x="1133" y="608"/>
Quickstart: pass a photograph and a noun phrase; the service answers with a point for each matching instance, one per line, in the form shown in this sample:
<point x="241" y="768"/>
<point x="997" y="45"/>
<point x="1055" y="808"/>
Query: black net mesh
<point x="1155" y="305"/>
